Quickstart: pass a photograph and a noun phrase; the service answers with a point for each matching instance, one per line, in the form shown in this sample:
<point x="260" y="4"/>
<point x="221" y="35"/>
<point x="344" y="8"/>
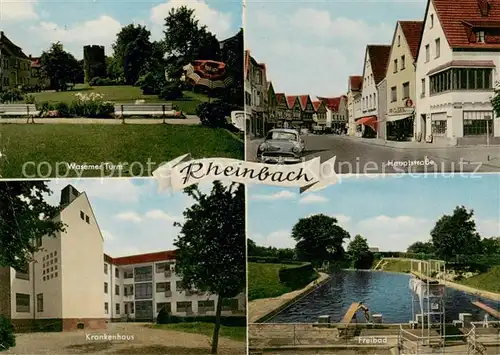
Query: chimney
<point x="484" y="7"/>
<point x="68" y="195"/>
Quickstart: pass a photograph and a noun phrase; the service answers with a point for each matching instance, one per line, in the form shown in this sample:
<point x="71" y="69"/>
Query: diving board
<point x="492" y="312"/>
<point x="351" y="312"/>
<point x="424" y="278"/>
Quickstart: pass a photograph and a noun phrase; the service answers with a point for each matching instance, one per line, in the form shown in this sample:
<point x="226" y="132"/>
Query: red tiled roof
<point x="303" y="100"/>
<point x="412" y="31"/>
<point x="316" y="105"/>
<point x="290" y="100"/>
<point x="332" y="103"/>
<point x="379" y="55"/>
<point x="452" y="14"/>
<point x="141" y="258"/>
<point x="355" y="82"/>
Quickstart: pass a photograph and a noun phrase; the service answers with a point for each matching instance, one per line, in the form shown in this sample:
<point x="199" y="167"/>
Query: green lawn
<point x="234" y="333"/>
<point x="121" y="93"/>
<point x="488" y="281"/>
<point x="94" y="144"/>
<point x="264" y="282"/>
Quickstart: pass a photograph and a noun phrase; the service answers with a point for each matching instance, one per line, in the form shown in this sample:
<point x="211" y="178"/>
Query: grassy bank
<point x="395" y="265"/>
<point x="488" y="281"/>
<point x="139" y="148"/>
<point x="264" y="281"/>
<point x="234" y="333"/>
<point x="121" y="94"/>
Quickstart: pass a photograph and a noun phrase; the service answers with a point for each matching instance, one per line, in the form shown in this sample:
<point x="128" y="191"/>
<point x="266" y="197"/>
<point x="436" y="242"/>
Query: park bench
<point x="19" y="110"/>
<point x="154" y="110"/>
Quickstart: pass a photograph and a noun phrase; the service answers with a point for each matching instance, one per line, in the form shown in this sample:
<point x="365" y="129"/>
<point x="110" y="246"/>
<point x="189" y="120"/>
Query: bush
<point x="29" y="99"/>
<point x="63" y="109"/>
<point x="297" y="277"/>
<point x="214" y="114"/>
<point x="7" y="336"/>
<point x="229" y="321"/>
<point x="97" y="81"/>
<point x="163" y="317"/>
<point x="170" y="91"/>
<point x="44" y="108"/>
<point x="11" y="95"/>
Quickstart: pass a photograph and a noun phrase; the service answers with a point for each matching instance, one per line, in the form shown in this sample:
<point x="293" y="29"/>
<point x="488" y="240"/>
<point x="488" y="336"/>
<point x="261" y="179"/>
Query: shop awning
<point x="394" y="118"/>
<point x="370" y="121"/>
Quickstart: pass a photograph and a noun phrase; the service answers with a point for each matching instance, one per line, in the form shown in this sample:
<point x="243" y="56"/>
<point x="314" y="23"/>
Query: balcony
<point x="168" y="293"/>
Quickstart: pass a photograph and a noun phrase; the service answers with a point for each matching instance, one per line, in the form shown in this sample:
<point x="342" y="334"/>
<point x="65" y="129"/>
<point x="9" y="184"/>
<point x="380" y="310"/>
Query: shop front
<point x="400" y="124"/>
<point x="367" y="126"/>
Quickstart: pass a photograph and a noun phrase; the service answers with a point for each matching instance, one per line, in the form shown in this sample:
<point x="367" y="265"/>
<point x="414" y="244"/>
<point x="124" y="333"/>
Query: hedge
<point x="272" y="260"/>
<point x="297" y="277"/>
<point x="228" y="321"/>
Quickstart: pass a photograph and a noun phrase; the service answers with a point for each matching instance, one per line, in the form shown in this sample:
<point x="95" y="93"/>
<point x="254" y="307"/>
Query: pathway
<point x="189" y="120"/>
<point x="139" y="339"/>
<point x="257" y="309"/>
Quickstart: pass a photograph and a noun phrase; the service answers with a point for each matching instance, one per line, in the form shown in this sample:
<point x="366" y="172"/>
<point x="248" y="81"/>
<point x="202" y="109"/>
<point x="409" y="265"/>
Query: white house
<point x="376" y="57"/>
<point x="66" y="283"/>
<point x="337" y="115"/>
<point x="353" y="102"/>
<point x="457" y="67"/>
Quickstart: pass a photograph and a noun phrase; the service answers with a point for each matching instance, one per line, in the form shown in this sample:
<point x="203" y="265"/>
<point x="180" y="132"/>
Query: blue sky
<point x="311" y="47"/>
<point x="34" y="25"/>
<point x="133" y="216"/>
<point x="391" y="212"/>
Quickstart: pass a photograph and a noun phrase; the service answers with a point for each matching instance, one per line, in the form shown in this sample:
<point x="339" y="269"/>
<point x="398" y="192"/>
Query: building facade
<point x="382" y="109"/>
<point x="255" y="95"/>
<point x="283" y="114"/>
<point x="457" y="66"/>
<point x="294" y="113"/>
<point x="56" y="288"/>
<point x="399" y="122"/>
<point x="375" y="65"/>
<point x="271" y="108"/>
<point x="137" y="287"/>
<point x="353" y="100"/>
<point x="320" y="116"/>
<point x="15" y="66"/>
<point x="307" y="112"/>
<point x="337" y="115"/>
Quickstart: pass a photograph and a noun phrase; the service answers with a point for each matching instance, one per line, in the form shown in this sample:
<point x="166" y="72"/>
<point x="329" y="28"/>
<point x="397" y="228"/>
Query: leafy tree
<point x="421" y="248"/>
<point x="211" y="245"/>
<point x="133" y="50"/>
<point x="359" y="253"/>
<point x="252" y="248"/>
<point x="319" y="238"/>
<point x="232" y="55"/>
<point x="24" y="216"/>
<point x="60" y="67"/>
<point x="455" y="235"/>
<point x="186" y="40"/>
<point x="491" y="246"/>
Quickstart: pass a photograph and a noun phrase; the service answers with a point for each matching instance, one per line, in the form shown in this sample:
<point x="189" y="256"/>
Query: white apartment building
<point x="457" y="66"/>
<point x="137" y="287"/>
<point x="66" y="283"/>
<point x="376" y="57"/>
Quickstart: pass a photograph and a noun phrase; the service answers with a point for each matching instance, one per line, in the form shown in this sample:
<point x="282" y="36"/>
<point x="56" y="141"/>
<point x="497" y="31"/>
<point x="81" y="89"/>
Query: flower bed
<point x="90" y="105"/>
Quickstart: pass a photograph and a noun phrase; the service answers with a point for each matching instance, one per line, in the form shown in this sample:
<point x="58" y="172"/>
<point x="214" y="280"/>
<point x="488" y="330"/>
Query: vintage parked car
<point x="281" y="146"/>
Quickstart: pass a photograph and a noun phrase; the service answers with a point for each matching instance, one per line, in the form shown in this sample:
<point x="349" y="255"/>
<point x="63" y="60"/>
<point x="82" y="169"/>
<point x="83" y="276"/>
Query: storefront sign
<point x="401" y="110"/>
